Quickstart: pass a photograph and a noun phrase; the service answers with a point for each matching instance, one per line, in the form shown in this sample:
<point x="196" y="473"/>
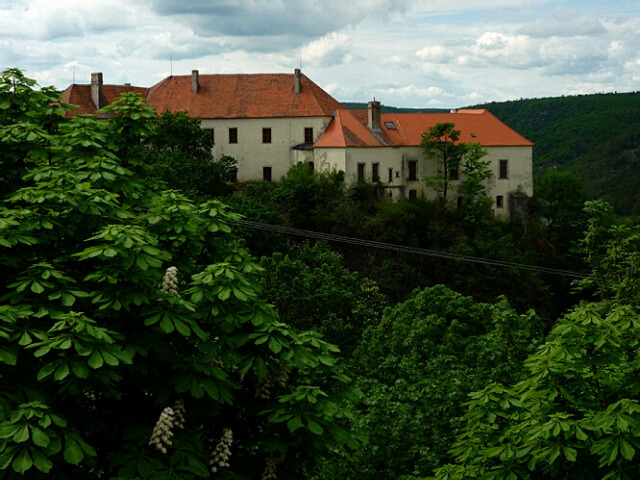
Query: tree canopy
<point x="135" y="341"/>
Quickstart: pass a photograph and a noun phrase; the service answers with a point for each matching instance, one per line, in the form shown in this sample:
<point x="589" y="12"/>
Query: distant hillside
<point x="387" y="109"/>
<point x="597" y="137"/>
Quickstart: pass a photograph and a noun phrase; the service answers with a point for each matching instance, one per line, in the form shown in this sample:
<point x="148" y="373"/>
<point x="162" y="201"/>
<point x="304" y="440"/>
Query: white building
<point x="269" y="122"/>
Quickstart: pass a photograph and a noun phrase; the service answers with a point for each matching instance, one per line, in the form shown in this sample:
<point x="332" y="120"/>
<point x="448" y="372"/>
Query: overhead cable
<point x="401" y="248"/>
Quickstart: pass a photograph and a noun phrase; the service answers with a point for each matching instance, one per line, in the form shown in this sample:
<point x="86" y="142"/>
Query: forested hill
<point x="597" y="137"/>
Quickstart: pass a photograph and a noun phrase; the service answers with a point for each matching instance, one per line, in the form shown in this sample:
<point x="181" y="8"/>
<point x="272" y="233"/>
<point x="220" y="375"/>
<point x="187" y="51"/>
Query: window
<point x="266" y="173"/>
<point x="504" y="169"/>
<point x="360" y="172"/>
<point x="210" y="131"/>
<point x="413" y="170"/>
<point x="308" y="135"/>
<point x="499" y="201"/>
<point x="390" y="175"/>
<point x="454" y="174"/>
<point x="375" y="173"/>
<point x="233" y="175"/>
<point x="390" y="125"/>
<point x="312" y="166"/>
<point x="460" y="202"/>
<point x="413" y="194"/>
<point x="233" y="135"/>
<point x="266" y="135"/>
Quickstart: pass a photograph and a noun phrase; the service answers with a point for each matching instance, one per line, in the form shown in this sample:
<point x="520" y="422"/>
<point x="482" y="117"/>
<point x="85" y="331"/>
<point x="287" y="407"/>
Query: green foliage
<point x="415" y="369"/>
<point x="313" y="291"/>
<point x="98" y="337"/>
<point x="180" y="154"/>
<point x="593" y="136"/>
<point x="442" y="141"/>
<point x="562" y="198"/>
<point x="576" y="414"/>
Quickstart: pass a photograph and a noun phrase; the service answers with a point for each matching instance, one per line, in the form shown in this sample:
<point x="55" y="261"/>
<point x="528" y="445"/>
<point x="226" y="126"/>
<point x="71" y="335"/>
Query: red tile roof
<point x="349" y="129"/>
<point x="242" y="96"/>
<point x="80" y="95"/>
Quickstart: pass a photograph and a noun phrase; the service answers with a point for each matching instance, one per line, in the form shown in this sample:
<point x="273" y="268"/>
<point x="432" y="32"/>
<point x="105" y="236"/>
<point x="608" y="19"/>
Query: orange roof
<point x="242" y="96"/>
<point x="80" y="95"/>
<point x="349" y="129"/>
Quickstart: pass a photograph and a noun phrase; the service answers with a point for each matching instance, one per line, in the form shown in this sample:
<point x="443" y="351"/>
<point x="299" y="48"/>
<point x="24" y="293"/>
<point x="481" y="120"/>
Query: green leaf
<point x="294" y="424"/>
<point x="61" y="372"/>
<point x="166" y="325"/>
<point x="39" y="437"/>
<point x="626" y="449"/>
<point x="22" y="435"/>
<point x="570" y="453"/>
<point x="314" y="427"/>
<point x="41" y="461"/>
<point x="7" y="357"/>
<point x="23" y="461"/>
<point x="95" y="360"/>
<point x="72" y="452"/>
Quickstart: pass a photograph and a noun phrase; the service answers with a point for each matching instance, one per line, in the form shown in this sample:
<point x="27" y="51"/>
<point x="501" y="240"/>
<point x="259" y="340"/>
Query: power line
<point x="400" y="248"/>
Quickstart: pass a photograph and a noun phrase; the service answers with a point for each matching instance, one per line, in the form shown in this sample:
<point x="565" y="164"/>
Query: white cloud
<point x="332" y="49"/>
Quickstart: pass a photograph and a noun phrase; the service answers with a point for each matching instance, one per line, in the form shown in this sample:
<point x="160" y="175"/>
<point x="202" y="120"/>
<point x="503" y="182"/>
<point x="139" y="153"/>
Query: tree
<point x="126" y="305"/>
<point x="454" y="157"/>
<point x="442" y="141"/>
<point x="180" y="153"/>
<point x="416" y="367"/>
<point x="576" y="414"/>
<point x="562" y="199"/>
<point x="475" y="171"/>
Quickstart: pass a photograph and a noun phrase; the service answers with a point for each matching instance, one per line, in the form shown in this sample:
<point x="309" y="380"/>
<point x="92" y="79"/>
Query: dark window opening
<point x="233" y="135"/>
<point x="390" y="175"/>
<point x="504" y="169"/>
<point x="375" y="172"/>
<point x="360" y="173"/>
<point x="413" y="170"/>
<point x="308" y="135"/>
<point x="266" y="173"/>
<point x="499" y="201"/>
<point x="460" y="202"/>
<point x="312" y="166"/>
<point x="454" y="174"/>
<point x="413" y="194"/>
<point x="211" y="132"/>
<point x="266" y="135"/>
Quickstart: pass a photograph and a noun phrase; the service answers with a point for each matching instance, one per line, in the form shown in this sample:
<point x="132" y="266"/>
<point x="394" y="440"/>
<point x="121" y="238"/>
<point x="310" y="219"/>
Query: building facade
<point x="269" y="122"/>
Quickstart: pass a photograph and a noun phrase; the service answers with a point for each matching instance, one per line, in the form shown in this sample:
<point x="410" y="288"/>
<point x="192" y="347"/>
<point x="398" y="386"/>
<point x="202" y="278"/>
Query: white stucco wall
<point x="519" y="173"/>
<point x="252" y="155"/>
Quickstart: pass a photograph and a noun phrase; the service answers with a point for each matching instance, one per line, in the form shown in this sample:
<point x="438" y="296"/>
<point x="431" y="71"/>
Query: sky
<point x="404" y="53"/>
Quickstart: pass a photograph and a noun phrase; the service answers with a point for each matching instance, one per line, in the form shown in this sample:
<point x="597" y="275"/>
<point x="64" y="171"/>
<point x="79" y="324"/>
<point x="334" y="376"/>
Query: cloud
<point x="495" y="48"/>
<point x="332" y="49"/>
<point x="435" y="54"/>
<point x="564" y="23"/>
<point x="293" y="18"/>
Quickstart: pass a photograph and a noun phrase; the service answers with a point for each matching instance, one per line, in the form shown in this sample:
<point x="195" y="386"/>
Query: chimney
<point x="374" y="110"/>
<point x="195" y="75"/>
<point x="296" y="81"/>
<point x="97" y="95"/>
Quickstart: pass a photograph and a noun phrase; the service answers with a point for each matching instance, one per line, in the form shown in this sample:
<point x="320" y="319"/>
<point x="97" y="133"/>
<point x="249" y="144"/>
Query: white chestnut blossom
<point x="170" y="281"/>
<point x="162" y="432"/>
<point x="220" y="456"/>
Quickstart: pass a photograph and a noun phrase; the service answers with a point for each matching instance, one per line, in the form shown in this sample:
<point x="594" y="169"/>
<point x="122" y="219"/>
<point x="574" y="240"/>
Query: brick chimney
<point x="97" y="95"/>
<point x="374" y="110"/>
<point x="296" y="81"/>
<point x="195" y="76"/>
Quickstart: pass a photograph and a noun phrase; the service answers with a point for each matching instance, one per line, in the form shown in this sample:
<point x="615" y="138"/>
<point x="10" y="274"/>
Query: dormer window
<point x="390" y="125"/>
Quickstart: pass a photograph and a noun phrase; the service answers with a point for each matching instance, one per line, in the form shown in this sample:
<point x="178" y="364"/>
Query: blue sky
<point x="403" y="52"/>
